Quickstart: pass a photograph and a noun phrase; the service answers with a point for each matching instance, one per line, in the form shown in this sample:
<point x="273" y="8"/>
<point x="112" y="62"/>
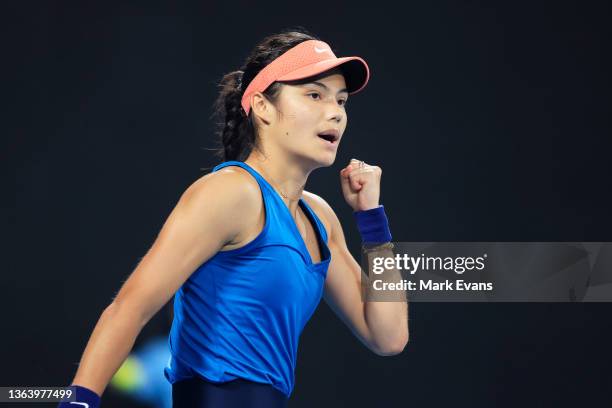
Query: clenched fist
<point x="361" y="185"/>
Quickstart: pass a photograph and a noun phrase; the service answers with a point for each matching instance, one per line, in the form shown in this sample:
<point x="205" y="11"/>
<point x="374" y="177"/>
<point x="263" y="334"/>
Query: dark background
<point x="491" y="123"/>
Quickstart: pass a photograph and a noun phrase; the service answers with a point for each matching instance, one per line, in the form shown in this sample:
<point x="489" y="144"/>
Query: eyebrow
<point x="322" y="85"/>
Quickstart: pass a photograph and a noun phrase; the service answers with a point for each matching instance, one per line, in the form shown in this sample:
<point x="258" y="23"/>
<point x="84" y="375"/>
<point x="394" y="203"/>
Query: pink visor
<point x="307" y="59"/>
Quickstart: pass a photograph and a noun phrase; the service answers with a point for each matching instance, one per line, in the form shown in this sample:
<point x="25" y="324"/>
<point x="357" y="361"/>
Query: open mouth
<point x="330" y="137"/>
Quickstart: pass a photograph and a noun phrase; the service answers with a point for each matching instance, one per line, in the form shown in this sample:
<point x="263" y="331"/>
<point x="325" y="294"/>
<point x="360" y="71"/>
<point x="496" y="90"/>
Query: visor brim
<point x="356" y="72"/>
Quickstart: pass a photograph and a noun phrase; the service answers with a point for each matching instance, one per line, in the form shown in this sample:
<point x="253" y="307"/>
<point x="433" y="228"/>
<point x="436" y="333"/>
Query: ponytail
<point x="237" y="135"/>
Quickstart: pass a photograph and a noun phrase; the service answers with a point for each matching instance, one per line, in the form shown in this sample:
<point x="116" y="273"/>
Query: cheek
<point x="300" y="121"/>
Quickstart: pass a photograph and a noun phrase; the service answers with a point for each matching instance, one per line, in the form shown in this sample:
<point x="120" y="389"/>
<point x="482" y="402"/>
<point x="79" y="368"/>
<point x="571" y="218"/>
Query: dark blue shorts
<point x="199" y="393"/>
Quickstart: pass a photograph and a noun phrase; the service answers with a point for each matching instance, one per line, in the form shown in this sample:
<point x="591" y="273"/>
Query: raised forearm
<point x="388" y="324"/>
<point x="386" y="313"/>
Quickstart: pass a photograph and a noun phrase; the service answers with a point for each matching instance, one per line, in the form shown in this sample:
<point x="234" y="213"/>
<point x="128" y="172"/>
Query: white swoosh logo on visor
<point x="86" y="405"/>
<point x="320" y="50"/>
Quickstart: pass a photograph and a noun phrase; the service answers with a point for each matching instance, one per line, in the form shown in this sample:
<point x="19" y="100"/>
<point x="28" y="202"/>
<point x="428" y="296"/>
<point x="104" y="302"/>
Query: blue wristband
<point x="84" y="396"/>
<point x="373" y="225"/>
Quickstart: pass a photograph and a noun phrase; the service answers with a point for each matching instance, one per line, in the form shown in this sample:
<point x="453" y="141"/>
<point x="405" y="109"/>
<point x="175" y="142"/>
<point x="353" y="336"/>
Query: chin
<point x="320" y="160"/>
<point x="328" y="161"/>
<point x="331" y="161"/>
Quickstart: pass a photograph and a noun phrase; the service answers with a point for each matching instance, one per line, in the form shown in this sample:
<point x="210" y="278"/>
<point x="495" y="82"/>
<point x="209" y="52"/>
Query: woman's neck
<point x="286" y="176"/>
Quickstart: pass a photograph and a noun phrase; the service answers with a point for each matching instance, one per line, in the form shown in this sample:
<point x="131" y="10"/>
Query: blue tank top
<point x="241" y="313"/>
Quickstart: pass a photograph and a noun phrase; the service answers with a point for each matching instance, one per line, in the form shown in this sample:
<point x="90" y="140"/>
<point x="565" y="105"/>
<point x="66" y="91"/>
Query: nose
<point x="335" y="112"/>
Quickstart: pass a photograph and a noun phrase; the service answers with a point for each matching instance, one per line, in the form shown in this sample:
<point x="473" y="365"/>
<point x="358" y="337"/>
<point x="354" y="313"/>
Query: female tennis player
<point x="247" y="252"/>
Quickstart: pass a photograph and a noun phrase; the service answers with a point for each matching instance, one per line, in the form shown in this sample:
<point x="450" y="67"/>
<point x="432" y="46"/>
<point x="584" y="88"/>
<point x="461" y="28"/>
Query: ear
<point x="262" y="108"/>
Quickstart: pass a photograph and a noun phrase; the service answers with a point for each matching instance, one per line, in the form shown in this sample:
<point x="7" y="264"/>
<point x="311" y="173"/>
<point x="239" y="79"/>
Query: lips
<point x="331" y="135"/>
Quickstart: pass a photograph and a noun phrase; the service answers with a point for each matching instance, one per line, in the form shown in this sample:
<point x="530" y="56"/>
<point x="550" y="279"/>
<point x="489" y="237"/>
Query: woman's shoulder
<point x="227" y="180"/>
<point x="232" y="187"/>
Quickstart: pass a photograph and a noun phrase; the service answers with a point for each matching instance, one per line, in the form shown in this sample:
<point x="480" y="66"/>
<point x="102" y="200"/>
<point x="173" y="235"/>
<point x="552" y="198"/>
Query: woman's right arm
<point x="208" y="215"/>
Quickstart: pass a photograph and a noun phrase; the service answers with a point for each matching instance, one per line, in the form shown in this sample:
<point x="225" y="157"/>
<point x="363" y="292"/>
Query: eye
<point x="315" y="93"/>
<point x="342" y="102"/>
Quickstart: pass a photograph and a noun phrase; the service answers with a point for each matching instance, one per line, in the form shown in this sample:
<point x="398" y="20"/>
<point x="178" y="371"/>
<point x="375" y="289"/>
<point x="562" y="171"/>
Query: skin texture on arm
<point x="380" y="326"/>
<point x="209" y="214"/>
